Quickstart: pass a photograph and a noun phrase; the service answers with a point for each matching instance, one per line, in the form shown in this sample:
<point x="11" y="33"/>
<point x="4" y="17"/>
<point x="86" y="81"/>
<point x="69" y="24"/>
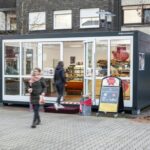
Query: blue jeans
<point x="60" y="91"/>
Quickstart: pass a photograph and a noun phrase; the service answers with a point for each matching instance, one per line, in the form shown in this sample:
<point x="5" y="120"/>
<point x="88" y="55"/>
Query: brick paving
<point x="70" y="132"/>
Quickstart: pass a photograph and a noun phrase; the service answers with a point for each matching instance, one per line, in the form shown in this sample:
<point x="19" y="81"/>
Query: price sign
<point x="110" y="94"/>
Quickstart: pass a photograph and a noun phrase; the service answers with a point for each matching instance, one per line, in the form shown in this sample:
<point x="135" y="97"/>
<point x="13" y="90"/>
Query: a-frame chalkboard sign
<point x="111" y="95"/>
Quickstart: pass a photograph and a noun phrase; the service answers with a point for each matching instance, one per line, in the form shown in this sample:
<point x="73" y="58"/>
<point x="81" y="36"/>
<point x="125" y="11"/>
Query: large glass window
<point x="89" y="18"/>
<point x="132" y="16"/>
<point x="12" y="56"/>
<point x="147" y="16"/>
<point x="88" y="59"/>
<point x="12" y="86"/>
<point x="136" y="14"/>
<point x="8" y="21"/>
<point x="101" y="58"/>
<point x="63" y="19"/>
<point x="37" y="21"/>
<point x="25" y="85"/>
<point x="120" y="58"/>
<point x="29" y="57"/>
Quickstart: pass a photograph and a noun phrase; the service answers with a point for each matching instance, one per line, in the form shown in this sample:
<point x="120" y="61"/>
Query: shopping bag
<point x="42" y="100"/>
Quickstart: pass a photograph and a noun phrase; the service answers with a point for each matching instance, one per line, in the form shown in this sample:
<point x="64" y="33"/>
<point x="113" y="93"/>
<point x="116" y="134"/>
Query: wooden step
<point x="66" y="109"/>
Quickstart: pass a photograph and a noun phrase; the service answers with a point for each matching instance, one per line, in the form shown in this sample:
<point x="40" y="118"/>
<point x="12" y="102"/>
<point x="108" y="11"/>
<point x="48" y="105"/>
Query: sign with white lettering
<point x="48" y="71"/>
<point x="110" y="94"/>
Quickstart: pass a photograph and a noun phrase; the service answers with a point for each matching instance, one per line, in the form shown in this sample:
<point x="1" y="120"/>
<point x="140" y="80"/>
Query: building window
<point x="132" y="16"/>
<point x="136" y="14"/>
<point x="63" y="19"/>
<point x="89" y="18"/>
<point x="8" y="21"/>
<point x="37" y="21"/>
<point x="146" y="15"/>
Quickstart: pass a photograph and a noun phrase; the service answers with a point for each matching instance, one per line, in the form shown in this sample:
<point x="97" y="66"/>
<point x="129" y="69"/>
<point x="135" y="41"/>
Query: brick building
<point x="17" y="15"/>
<point x="8" y="16"/>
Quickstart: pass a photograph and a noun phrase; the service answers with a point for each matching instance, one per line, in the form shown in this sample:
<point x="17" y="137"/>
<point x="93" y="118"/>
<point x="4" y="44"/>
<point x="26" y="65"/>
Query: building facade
<point x="136" y="15"/>
<point x="8" y="17"/>
<point x="28" y="16"/>
<point x="66" y="15"/>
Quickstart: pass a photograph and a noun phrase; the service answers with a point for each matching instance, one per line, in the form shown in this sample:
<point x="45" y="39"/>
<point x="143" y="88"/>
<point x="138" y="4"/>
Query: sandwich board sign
<point x="111" y="97"/>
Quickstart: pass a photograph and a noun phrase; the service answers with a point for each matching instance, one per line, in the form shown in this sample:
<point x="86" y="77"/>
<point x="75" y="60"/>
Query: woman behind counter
<point x="37" y="88"/>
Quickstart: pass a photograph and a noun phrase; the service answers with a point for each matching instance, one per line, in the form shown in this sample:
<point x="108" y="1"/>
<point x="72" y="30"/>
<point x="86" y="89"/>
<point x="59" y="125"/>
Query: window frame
<point x="131" y="23"/>
<point x="61" y="12"/>
<point x="6" y="24"/>
<point x="142" y="7"/>
<point x="44" y="24"/>
<point x="96" y="16"/>
<point x="144" y="16"/>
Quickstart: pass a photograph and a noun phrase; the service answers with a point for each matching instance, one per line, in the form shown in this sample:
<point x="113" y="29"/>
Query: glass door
<point x="102" y="65"/>
<point x="89" y="71"/>
<point x="48" y="57"/>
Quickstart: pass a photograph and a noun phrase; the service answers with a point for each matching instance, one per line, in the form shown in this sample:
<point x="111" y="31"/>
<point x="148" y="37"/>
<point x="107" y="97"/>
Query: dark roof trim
<point x="66" y="35"/>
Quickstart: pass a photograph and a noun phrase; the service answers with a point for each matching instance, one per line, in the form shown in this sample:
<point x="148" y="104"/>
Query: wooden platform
<point x="66" y="109"/>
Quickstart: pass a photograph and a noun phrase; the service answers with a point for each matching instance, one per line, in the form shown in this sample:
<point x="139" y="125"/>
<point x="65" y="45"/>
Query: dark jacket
<point x="38" y="87"/>
<point x="59" y="76"/>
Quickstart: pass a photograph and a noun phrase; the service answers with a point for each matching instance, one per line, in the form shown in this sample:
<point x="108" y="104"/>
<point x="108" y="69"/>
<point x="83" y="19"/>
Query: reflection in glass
<point x="98" y="88"/>
<point x="25" y="85"/>
<point x="101" y="58"/>
<point x="126" y="89"/>
<point x="88" y="60"/>
<point x="51" y="90"/>
<point x="29" y="57"/>
<point x="147" y="16"/>
<point x="120" y="58"/>
<point x="12" y="86"/>
<point x="12" y="58"/>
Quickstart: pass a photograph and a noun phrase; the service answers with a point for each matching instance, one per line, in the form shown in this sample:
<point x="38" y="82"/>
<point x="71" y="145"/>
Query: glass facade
<point x="37" y="21"/>
<point x="12" y="59"/>
<point x="12" y="86"/>
<point x="29" y="57"/>
<point x="101" y="58"/>
<point x="85" y="64"/>
<point x="120" y="58"/>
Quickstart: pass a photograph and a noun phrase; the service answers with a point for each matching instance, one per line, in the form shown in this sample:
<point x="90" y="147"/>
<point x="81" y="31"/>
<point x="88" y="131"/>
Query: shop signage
<point x="111" y="97"/>
<point x="48" y="71"/>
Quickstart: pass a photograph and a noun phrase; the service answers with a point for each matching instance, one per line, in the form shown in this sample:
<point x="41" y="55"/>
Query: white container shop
<point x="88" y="58"/>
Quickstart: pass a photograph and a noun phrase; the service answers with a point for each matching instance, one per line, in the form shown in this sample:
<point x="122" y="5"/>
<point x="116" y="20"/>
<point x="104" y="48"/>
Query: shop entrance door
<point x="48" y="57"/>
<point x="89" y="71"/>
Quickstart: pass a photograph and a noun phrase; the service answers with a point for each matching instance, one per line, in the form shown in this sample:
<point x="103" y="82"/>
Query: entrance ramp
<point x="66" y="109"/>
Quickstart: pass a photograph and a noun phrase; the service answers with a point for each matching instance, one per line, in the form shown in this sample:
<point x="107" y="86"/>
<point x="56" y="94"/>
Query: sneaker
<point x="56" y="106"/>
<point x="60" y="106"/>
<point x="62" y="99"/>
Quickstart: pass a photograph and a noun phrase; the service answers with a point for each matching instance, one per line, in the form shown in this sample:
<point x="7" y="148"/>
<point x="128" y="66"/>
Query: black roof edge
<point x="66" y="35"/>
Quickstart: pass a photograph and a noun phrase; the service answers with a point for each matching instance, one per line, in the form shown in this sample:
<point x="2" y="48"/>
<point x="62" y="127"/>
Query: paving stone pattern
<point x="70" y="132"/>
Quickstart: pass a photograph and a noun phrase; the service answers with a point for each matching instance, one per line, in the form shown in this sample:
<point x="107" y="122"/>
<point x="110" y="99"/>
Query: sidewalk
<point x="70" y="132"/>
